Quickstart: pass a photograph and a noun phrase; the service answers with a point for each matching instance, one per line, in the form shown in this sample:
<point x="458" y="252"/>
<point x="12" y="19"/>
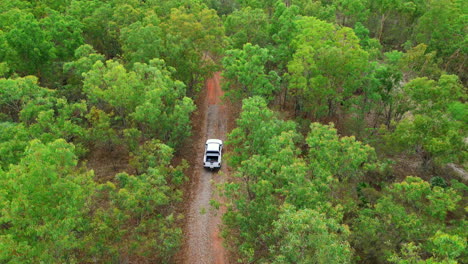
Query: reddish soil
<point x="203" y="242"/>
<point x="213" y="87"/>
<point x="106" y="163"/>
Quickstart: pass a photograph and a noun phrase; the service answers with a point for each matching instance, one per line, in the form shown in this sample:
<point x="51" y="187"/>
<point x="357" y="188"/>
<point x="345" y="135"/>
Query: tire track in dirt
<point x="202" y="230"/>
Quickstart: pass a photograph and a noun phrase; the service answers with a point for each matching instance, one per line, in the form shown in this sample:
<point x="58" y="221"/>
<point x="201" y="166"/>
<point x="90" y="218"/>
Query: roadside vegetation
<point x="351" y="111"/>
<point x="86" y="77"/>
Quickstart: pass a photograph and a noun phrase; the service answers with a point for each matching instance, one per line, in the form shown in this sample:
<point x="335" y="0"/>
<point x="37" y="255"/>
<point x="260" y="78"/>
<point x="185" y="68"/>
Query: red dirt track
<point x="213" y="87"/>
<point x="203" y="243"/>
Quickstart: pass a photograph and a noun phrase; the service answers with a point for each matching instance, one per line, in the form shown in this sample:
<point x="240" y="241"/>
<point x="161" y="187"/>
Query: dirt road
<point x="203" y="240"/>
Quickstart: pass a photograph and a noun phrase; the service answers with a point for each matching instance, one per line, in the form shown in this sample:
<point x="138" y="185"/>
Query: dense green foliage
<point x="79" y="78"/>
<point x="392" y="73"/>
<point x="281" y="191"/>
<point x="44" y="205"/>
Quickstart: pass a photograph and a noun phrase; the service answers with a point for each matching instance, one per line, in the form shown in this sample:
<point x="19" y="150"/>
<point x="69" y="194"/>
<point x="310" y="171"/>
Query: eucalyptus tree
<point x="44" y="201"/>
<point x="327" y="68"/>
<point x="246" y="74"/>
<point x="194" y="40"/>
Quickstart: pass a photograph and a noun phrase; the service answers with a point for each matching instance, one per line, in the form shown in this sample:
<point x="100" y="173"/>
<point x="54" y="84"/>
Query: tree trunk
<point x="382" y="23"/>
<point x="285" y="97"/>
<point x="389" y="116"/>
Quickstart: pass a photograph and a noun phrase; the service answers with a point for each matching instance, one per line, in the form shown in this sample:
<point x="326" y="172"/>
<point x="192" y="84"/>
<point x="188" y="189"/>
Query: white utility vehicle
<point x="213" y="152"/>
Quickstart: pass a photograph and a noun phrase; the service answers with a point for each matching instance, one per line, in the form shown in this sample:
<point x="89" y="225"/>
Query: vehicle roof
<point x="212" y="147"/>
<point x="213" y="144"/>
<point x="214" y="141"/>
